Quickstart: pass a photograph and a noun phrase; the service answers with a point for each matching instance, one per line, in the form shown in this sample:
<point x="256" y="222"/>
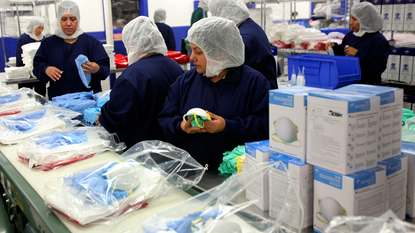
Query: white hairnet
<point x="31" y="27"/>
<point x="369" y="18"/>
<point x="67" y="7"/>
<point x="204" y="4"/>
<point x="235" y="10"/>
<point x="220" y="41"/>
<point x="160" y="15"/>
<point x="141" y="37"/>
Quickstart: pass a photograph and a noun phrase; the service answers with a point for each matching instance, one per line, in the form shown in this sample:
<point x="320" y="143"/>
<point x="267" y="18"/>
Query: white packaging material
<point x="409" y="23"/>
<point x="396" y="176"/>
<point x="377" y="4"/>
<point x="287" y="120"/>
<point x="342" y="131"/>
<point x="301" y="175"/>
<point x="398" y="15"/>
<point x="408" y="149"/>
<point x="394" y="63"/>
<point x="17" y="73"/>
<point x="361" y="193"/>
<point x="387" y="11"/>
<point x="258" y="152"/>
<point x="407" y="61"/>
<point x="390" y="124"/>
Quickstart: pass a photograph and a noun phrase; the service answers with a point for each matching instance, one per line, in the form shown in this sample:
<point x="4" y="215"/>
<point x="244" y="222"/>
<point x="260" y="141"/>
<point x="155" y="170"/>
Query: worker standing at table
<point x="34" y="33"/>
<point x="166" y="31"/>
<point x="258" y="53"/>
<point x="54" y="62"/>
<point x="365" y="42"/>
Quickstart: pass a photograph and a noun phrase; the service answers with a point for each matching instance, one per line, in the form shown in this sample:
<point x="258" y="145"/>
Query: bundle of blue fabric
<point x="24" y="123"/>
<point x="91" y="114"/>
<point x="5" y="99"/>
<point x="77" y="102"/>
<point x="55" y="139"/>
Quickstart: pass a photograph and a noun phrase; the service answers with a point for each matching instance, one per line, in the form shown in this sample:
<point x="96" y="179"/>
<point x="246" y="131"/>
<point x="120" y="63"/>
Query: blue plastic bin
<point x="325" y="71"/>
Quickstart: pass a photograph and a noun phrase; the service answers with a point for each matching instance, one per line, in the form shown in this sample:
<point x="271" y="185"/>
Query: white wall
<point x="179" y="12"/>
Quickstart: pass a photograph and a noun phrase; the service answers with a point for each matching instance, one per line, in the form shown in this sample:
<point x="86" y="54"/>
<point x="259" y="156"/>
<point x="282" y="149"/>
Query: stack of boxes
<point x="401" y="63"/>
<point x="397" y="14"/>
<point x="342" y="150"/>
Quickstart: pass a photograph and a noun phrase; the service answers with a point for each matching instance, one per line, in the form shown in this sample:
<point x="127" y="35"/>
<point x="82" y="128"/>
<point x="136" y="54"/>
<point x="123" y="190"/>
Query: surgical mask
<point x="124" y="176"/>
<point x="199" y="115"/>
<point x="329" y="208"/>
<point x="286" y="131"/>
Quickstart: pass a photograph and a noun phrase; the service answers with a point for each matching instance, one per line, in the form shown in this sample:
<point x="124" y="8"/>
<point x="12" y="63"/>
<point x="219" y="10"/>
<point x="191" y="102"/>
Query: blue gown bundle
<point x="77" y="102"/>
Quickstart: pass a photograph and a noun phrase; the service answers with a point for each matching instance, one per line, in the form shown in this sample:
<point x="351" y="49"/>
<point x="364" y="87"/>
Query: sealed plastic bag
<point x="57" y="148"/>
<point x="20" y="100"/>
<point x="14" y="128"/>
<point x="148" y="170"/>
<point x="224" y="208"/>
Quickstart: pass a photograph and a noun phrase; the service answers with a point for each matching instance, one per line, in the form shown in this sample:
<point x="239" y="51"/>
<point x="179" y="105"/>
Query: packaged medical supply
<point x="398" y="15"/>
<point x="361" y="193"/>
<point x="223" y="209"/>
<point x="288" y="120"/>
<point x="256" y="153"/>
<point x="21" y="100"/>
<point x="301" y="176"/>
<point x="409" y="23"/>
<point x="396" y="177"/>
<point x="148" y="170"/>
<point x="57" y="148"/>
<point x="390" y="118"/>
<point x="14" y="128"/>
<point x="406" y="69"/>
<point x="394" y="64"/>
<point x="17" y="73"/>
<point x="387" y="11"/>
<point x="408" y="149"/>
<point x="342" y="131"/>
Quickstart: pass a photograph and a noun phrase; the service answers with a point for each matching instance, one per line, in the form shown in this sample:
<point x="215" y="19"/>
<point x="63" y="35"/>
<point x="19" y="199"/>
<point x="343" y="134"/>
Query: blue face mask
<point x="86" y="79"/>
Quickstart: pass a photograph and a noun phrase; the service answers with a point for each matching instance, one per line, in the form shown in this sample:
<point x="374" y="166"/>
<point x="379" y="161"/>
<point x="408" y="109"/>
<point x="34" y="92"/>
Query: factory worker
<point x="258" y="53"/>
<point x="166" y="31"/>
<point x="234" y="95"/>
<point x="365" y="42"/>
<point x="54" y="62"/>
<point x="34" y="33"/>
<point x="139" y="93"/>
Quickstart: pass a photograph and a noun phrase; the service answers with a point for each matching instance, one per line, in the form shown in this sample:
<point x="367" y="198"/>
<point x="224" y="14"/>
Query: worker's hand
<point x="329" y="45"/>
<point x="90" y="67"/>
<point x="189" y="129"/>
<point x="350" y="51"/>
<point x="53" y="73"/>
<point x="97" y="120"/>
<point x="216" y="125"/>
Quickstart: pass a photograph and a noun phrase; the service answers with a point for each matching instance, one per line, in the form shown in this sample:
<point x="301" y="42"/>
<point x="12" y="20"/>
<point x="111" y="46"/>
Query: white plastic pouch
<point x="21" y="100"/>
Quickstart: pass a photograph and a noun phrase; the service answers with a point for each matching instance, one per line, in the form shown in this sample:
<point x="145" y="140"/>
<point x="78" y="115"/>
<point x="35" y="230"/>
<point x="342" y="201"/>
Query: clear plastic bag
<point x="20" y="100"/>
<point x="57" y="148"/>
<point x="14" y="128"/>
<point x="148" y="170"/>
<point x="225" y="209"/>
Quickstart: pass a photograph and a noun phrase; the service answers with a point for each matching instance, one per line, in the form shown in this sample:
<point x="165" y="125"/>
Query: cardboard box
<point x="409" y="23"/>
<point x="396" y="178"/>
<point x="387" y="11"/>
<point x="394" y="64"/>
<point x="361" y="193"/>
<point x="390" y="126"/>
<point x="398" y="15"/>
<point x="258" y="152"/>
<point x="302" y="179"/>
<point x="288" y="120"/>
<point x="342" y="131"/>
<point x="407" y="62"/>
<point x="408" y="149"/>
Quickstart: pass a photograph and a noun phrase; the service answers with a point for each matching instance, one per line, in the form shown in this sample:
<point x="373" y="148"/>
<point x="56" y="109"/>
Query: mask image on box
<point x="330" y="208"/>
<point x="199" y="115"/>
<point x="286" y="132"/>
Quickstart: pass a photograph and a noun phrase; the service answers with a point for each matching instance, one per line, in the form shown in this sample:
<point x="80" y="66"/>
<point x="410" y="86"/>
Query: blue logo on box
<point x="282" y="99"/>
<point x="328" y="177"/>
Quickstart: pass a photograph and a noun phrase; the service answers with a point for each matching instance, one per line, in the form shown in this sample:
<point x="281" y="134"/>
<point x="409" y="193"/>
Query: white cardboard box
<point x="288" y="120"/>
<point x="258" y="152"/>
<point x="361" y="193"/>
<point x="396" y="178"/>
<point x="394" y="63"/>
<point x="407" y="62"/>
<point x="301" y="175"/>
<point x="387" y="11"/>
<point x="409" y="23"/>
<point x="408" y="149"/>
<point x="342" y="131"/>
<point x="398" y="15"/>
<point x="390" y="126"/>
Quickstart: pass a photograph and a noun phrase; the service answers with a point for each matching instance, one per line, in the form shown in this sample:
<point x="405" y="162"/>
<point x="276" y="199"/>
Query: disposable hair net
<point x="220" y="41"/>
<point x="160" y="16"/>
<point x="31" y="27"/>
<point x="369" y="18"/>
<point x="235" y="10"/>
<point x="67" y="7"/>
<point x="141" y="37"/>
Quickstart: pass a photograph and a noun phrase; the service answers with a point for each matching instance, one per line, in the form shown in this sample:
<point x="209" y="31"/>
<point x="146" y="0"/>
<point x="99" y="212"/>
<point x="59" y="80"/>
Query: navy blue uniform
<point x="258" y="53"/>
<point x="241" y="99"/>
<point x="373" y="54"/>
<point x="168" y="35"/>
<point x="54" y="51"/>
<point x="138" y="97"/>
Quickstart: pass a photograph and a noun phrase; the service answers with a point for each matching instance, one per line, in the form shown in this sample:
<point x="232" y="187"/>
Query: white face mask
<point x="124" y="176"/>
<point x="330" y="208"/>
<point x="198" y="115"/>
<point x="286" y="130"/>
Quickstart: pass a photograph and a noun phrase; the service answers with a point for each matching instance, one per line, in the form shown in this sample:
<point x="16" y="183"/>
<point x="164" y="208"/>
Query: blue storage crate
<point x="325" y="71"/>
